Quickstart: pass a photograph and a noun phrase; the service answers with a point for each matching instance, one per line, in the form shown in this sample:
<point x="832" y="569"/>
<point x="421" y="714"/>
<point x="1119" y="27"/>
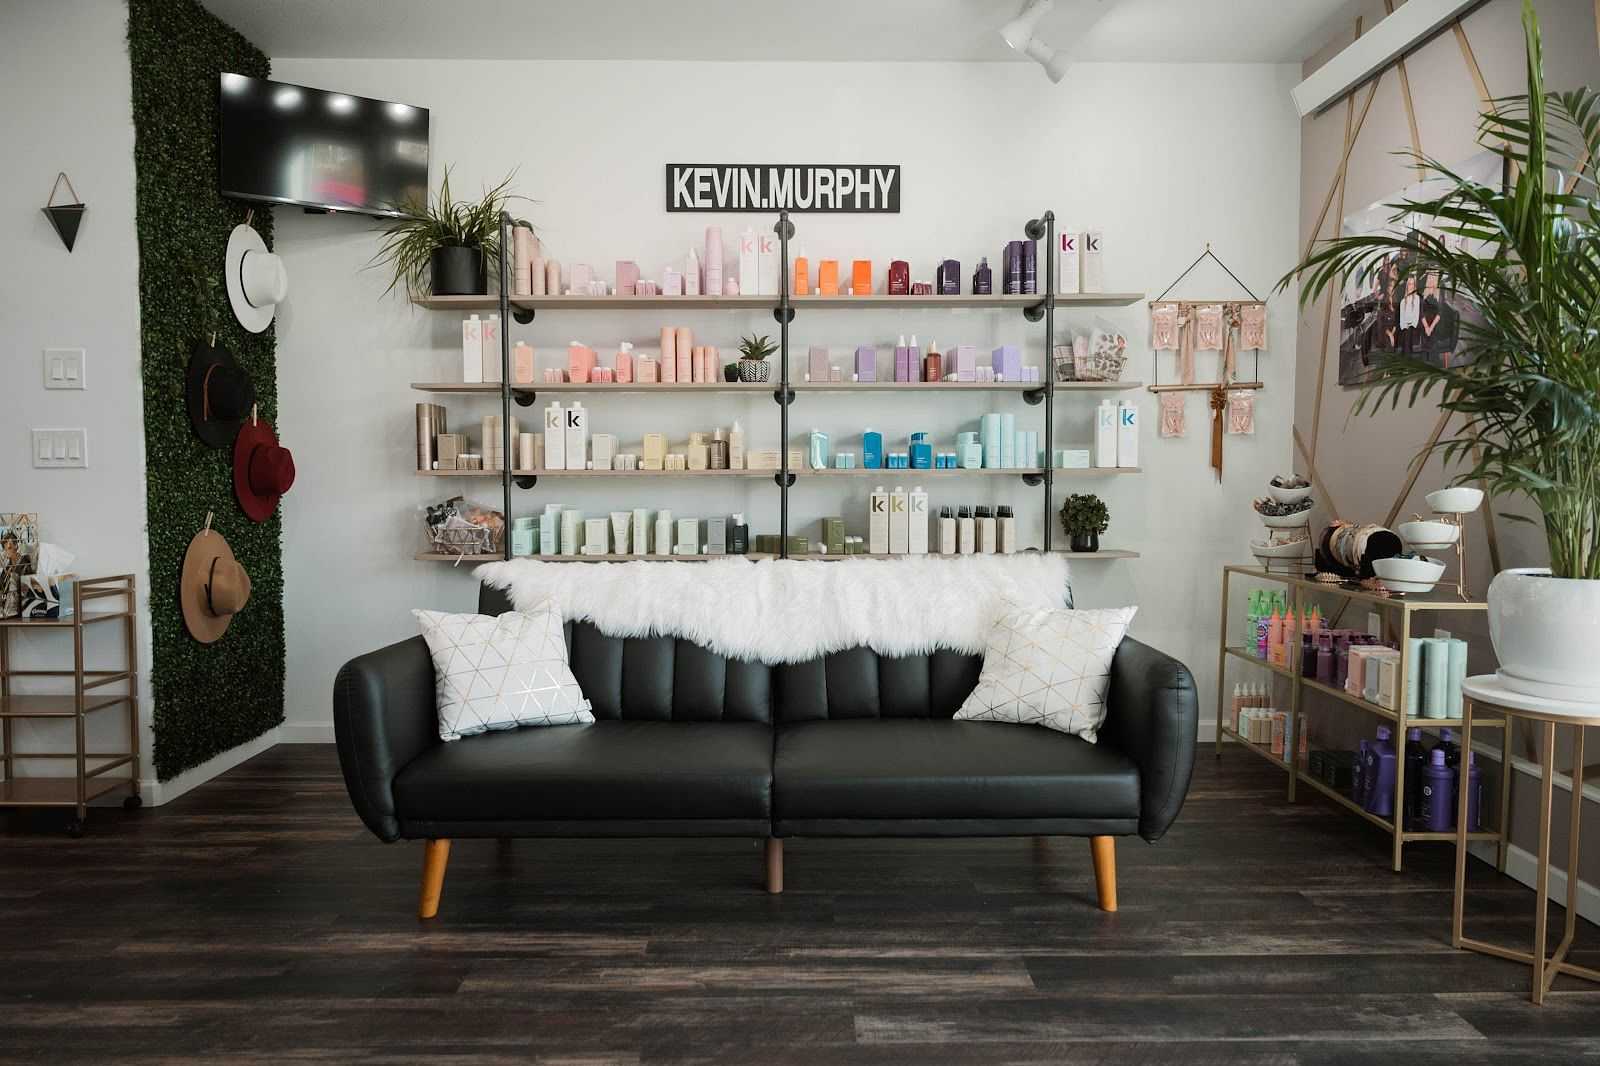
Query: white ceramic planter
<point x="1546" y="631"/>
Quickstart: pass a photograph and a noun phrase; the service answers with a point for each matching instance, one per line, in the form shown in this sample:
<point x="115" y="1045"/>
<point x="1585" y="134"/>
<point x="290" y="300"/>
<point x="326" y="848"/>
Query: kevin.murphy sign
<point x="779" y="186"/>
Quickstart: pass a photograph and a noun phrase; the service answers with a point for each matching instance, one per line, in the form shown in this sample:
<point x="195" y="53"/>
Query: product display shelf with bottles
<point x="1035" y="307"/>
<point x="1401" y="618"/>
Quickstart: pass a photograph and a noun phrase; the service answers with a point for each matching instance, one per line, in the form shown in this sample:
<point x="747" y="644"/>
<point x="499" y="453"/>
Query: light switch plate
<point x="64" y="368"/>
<point x="60" y="449"/>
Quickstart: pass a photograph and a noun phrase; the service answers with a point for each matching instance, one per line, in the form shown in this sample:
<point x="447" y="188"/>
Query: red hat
<point x="263" y="470"/>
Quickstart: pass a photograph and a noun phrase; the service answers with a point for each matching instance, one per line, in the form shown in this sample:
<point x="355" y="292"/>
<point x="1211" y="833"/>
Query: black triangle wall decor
<point x="66" y="218"/>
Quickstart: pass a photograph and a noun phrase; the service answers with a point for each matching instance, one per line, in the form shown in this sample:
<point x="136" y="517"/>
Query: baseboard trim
<point x="1523" y="866"/>
<point x="305" y="733"/>
<point x="155" y="793"/>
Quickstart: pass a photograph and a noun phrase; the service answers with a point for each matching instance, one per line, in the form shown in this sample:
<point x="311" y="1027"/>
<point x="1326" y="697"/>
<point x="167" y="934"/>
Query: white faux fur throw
<point x="784" y="611"/>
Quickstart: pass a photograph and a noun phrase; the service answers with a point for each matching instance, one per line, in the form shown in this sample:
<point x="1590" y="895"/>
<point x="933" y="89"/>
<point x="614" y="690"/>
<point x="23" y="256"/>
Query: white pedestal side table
<point x="1487" y="689"/>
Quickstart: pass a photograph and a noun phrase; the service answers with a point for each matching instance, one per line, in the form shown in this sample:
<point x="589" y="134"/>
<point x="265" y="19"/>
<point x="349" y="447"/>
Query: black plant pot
<point x="1086" y="542"/>
<point x="457" y="271"/>
<point x="730" y="372"/>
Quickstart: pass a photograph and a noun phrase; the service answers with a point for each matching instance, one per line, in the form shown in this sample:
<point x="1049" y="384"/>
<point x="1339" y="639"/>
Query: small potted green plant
<point x="753" y="352"/>
<point x="1083" y="518"/>
<point x="441" y="246"/>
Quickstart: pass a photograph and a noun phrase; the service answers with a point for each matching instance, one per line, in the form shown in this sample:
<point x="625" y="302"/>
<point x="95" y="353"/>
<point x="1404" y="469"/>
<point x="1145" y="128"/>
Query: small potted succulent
<point x="753" y="352"/>
<point x="1083" y="518"/>
<point x="442" y="246"/>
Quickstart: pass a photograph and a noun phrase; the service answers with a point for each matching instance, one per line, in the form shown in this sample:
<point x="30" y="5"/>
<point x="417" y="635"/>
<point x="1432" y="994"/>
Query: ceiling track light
<point x="1018" y="35"/>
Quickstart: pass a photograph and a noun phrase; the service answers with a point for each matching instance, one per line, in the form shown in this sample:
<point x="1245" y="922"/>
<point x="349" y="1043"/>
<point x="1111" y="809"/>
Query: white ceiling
<point x="864" y="30"/>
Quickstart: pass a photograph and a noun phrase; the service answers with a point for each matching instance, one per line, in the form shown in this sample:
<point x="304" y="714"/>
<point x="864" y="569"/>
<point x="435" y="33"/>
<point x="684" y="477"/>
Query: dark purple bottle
<point x="1474" y="792"/>
<point x="1326" y="661"/>
<point x="1416" y="761"/>
<point x="1438" y="794"/>
<point x="1308" y="655"/>
<point x="1358" y="775"/>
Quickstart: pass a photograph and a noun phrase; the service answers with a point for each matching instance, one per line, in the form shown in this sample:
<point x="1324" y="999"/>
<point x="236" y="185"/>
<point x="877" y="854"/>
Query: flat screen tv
<point x="288" y="144"/>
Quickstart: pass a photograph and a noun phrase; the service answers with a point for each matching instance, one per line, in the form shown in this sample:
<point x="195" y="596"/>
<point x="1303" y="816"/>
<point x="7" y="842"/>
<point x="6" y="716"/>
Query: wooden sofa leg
<point x="1105" y="870"/>
<point x="435" y="856"/>
<point x="774" y="865"/>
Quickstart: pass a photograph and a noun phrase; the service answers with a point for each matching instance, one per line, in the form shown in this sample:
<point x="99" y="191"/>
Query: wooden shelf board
<point x="765" y="388"/>
<point x="1414" y="602"/>
<point x="1096" y="471"/>
<point x="1241" y="653"/>
<point x="602" y="473"/>
<point x="877" y="301"/>
<point x="911" y="474"/>
<point x="1258" y="749"/>
<point x="55" y="706"/>
<point x="446" y="557"/>
<point x="1354" y="701"/>
<point x="1103" y="553"/>
<point x="54" y="791"/>
<point x="1344" y="801"/>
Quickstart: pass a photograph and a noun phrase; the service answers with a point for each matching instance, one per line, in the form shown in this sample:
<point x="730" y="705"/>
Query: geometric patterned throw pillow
<point x="501" y="672"/>
<point x="1049" y="667"/>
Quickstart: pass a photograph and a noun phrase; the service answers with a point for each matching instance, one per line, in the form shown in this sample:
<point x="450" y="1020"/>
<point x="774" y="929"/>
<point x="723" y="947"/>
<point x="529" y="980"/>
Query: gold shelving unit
<point x="1400" y="617"/>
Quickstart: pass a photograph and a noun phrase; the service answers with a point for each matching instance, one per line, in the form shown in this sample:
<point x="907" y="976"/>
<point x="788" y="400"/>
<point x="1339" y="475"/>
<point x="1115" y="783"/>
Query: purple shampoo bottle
<point x="1438" y="793"/>
<point x="1380" y="775"/>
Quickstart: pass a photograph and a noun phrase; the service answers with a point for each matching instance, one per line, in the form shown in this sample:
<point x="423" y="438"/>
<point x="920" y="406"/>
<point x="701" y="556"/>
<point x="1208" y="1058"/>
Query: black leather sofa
<point x="687" y="743"/>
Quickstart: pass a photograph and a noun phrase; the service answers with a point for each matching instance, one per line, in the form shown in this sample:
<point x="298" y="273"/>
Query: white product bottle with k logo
<point x="555" y="438"/>
<point x="577" y="437"/>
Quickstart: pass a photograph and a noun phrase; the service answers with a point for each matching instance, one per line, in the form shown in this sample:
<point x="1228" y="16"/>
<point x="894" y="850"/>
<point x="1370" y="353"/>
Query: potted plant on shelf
<point x="442" y="245"/>
<point x="1083" y="518"/>
<point x="1527" y="257"/>
<point x="753" y="352"/>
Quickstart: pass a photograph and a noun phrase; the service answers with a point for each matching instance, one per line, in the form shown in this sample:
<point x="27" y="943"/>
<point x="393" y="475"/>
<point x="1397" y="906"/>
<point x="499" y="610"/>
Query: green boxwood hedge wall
<point x="208" y="698"/>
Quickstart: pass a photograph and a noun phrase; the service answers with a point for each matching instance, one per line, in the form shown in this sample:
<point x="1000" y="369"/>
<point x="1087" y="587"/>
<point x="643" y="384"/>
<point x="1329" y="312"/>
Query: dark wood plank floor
<point x="255" y="920"/>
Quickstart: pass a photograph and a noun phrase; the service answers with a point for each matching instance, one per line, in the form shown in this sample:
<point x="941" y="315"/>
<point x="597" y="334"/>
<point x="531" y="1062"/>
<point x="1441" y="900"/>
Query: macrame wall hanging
<point x="1227" y="327"/>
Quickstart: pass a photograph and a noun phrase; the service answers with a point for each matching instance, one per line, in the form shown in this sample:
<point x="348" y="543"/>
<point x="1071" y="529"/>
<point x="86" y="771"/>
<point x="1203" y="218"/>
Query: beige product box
<point x="596" y="536"/>
<point x="676" y="461"/>
<point x="699" y="437"/>
<point x="448" y="448"/>
<point x="699" y="456"/>
<point x="654" y="452"/>
<point x="688" y="539"/>
<point x="763" y="459"/>
<point x="602" y="449"/>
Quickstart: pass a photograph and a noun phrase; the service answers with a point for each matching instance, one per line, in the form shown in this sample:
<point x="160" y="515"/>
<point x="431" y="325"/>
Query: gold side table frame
<point x="1486" y="690"/>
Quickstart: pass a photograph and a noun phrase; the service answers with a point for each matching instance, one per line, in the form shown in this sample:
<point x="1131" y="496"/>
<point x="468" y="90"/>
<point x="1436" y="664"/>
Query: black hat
<point x="219" y="394"/>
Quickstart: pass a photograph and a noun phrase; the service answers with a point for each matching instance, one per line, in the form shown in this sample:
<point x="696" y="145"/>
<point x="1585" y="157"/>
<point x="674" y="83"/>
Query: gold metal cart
<point x="92" y="691"/>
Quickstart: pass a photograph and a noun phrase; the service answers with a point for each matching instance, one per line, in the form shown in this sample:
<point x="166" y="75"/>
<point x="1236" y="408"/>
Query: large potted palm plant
<point x="1526" y="407"/>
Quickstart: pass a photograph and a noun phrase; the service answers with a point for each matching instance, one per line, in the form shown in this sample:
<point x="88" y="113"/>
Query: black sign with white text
<point x="863" y="188"/>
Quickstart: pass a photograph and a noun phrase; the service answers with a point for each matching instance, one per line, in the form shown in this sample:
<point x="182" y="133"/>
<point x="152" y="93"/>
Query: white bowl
<point x="1294" y="550"/>
<point x="1409" y="575"/>
<point x="1428" y="534"/>
<point x="1289" y="495"/>
<point x="1285" y="521"/>
<point x="1462" y="499"/>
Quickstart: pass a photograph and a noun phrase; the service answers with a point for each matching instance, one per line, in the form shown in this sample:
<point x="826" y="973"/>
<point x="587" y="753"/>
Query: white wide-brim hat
<point x="257" y="281"/>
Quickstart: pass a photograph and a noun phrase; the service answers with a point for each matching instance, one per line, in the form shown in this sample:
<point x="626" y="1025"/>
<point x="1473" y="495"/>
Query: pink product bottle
<point x="552" y="278"/>
<point x="647" y="370"/>
<point x="713" y="264"/>
<point x="624" y="363"/>
<point x="580" y="361"/>
<point x="683" y="345"/>
<point x="627" y="277"/>
<point x="602" y="375"/>
<point x="521" y="364"/>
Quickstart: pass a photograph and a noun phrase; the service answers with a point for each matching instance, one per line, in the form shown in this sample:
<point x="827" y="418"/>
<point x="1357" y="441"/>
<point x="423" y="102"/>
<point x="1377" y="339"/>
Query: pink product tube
<point x="627" y="277"/>
<point x="684" y="347"/>
<point x="713" y="261"/>
<point x="669" y="354"/>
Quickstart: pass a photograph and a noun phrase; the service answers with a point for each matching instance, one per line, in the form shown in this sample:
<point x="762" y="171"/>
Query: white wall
<point x="1164" y="158"/>
<point x="64" y="75"/>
